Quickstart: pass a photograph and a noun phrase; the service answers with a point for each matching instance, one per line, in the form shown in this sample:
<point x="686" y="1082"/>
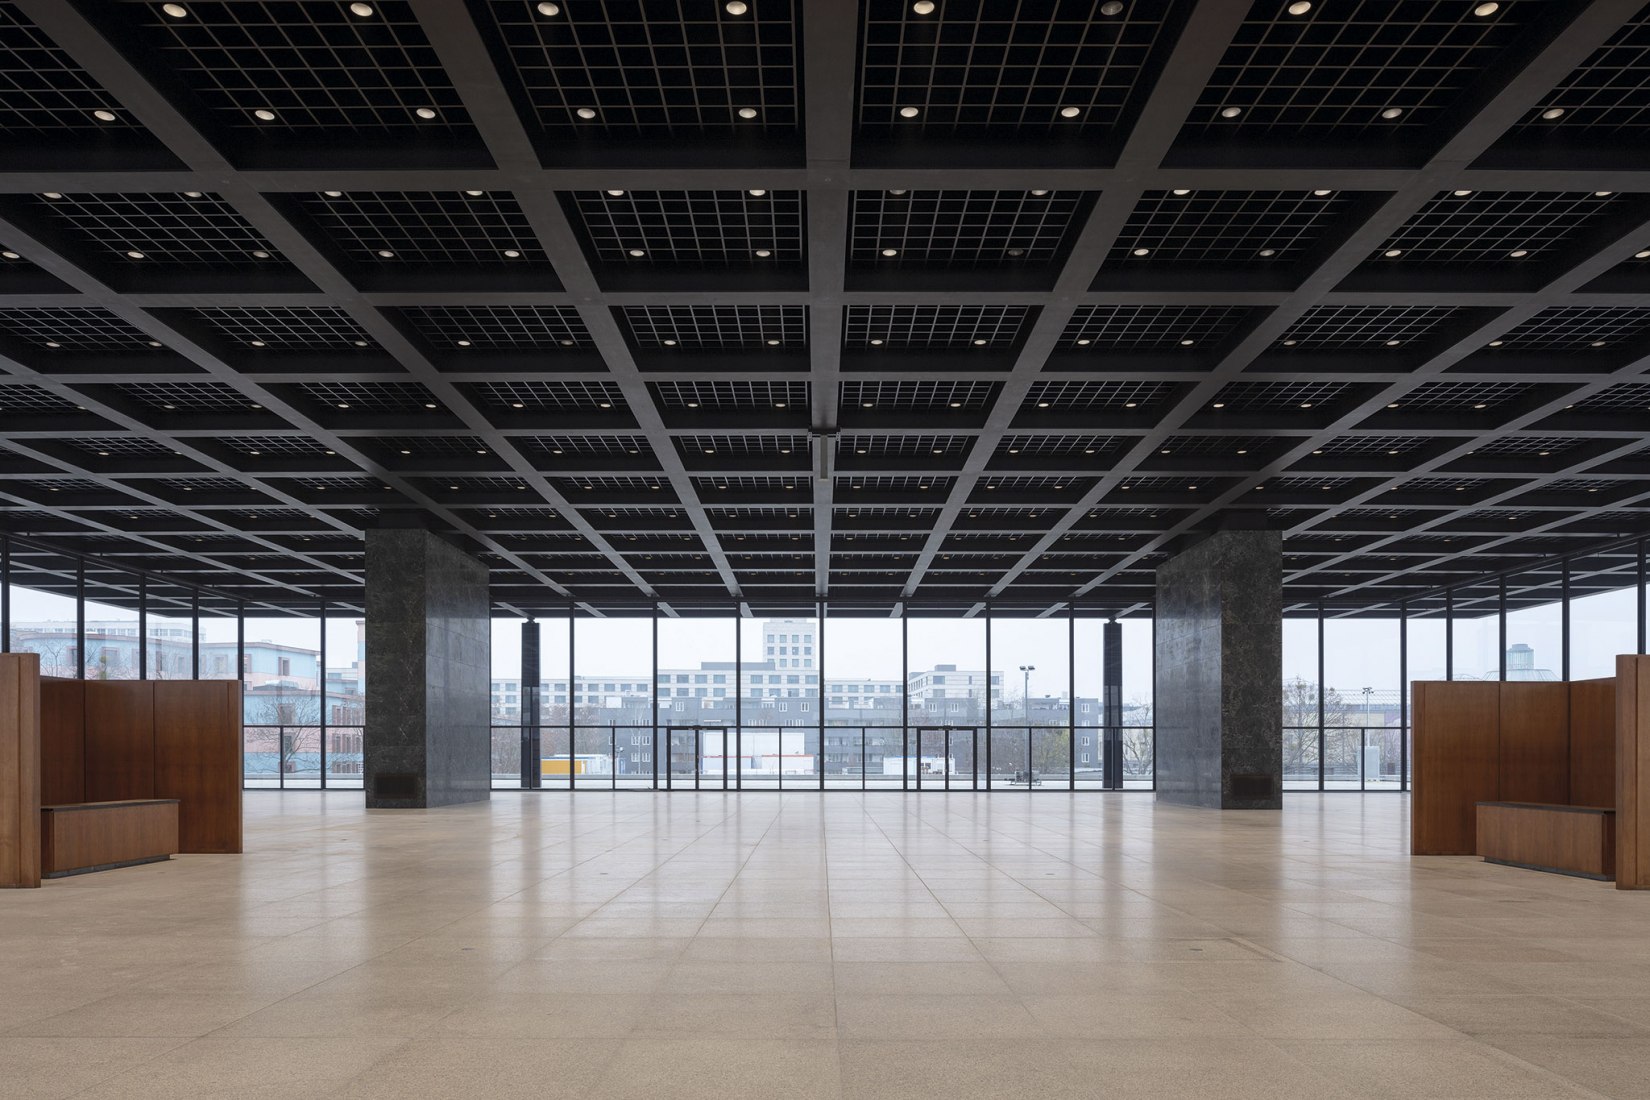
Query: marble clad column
<point x="1219" y="680"/>
<point x="428" y="668"/>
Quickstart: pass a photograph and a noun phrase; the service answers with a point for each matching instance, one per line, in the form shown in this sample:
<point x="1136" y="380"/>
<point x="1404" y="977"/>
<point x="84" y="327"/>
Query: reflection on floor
<point x="760" y="945"/>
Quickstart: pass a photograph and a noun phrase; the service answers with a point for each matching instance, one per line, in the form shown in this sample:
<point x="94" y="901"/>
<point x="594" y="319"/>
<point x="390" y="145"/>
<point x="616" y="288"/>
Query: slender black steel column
<point x="5" y="596"/>
<point x="1644" y="612"/>
<point x="143" y="629"/>
<point x="1449" y="633"/>
<point x="80" y="620"/>
<point x="1111" y="705"/>
<point x="532" y="720"/>
<point x="195" y="637"/>
<point x="572" y="686"/>
<point x="1403" y="696"/>
<point x="1071" y="698"/>
<point x="739" y="705"/>
<point x="819" y="676"/>
<point x="974" y="765"/>
<point x="321" y="679"/>
<point x="905" y="701"/>
<point x="1501" y="617"/>
<point x="655" y="694"/>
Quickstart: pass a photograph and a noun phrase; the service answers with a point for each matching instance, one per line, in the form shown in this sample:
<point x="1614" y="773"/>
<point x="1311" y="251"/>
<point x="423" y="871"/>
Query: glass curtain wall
<point x="1363" y="719"/>
<point x="1475" y="632"/>
<point x="1031" y="710"/>
<point x="697" y="684"/>
<point x="612" y="697"/>
<point x="1089" y="721"/>
<point x="281" y="696"/>
<point x="1604" y="612"/>
<point x="1303" y="708"/>
<point x="344" y="706"/>
<point x="950" y="713"/>
<point x="1139" y="760"/>
<point x="1534" y="647"/>
<point x="111" y="641"/>
<point x="864" y="679"/>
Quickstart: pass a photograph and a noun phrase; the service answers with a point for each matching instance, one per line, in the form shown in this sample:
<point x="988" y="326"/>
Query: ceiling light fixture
<point x="1070" y="112"/>
<point x="909" y="112"/>
<point x="764" y="253"/>
<point x="259" y="254"/>
<point x="923" y="7"/>
<point x="1485" y="9"/>
<point x="176" y="11"/>
<point x="1323" y="193"/>
<point x="386" y="254"/>
<point x="549" y="9"/>
<point x="747" y="112"/>
<point x="1392" y="112"/>
<point x="1230" y="112"/>
<point x="103" y="116"/>
<point x="1142" y="252"/>
<point x="637" y="253"/>
<point x="333" y="194"/>
<point x="1111" y="7"/>
<point x="1393" y="253"/>
<point x="586" y="112"/>
<point x="1552" y="113"/>
<point x="264" y="114"/>
<point x="890" y="252"/>
<point x="1300" y="7"/>
<point x="1518" y="253"/>
<point x="134" y="254"/>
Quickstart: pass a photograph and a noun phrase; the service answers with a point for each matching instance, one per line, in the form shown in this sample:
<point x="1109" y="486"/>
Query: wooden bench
<point x="98" y="836"/>
<point x="1567" y="840"/>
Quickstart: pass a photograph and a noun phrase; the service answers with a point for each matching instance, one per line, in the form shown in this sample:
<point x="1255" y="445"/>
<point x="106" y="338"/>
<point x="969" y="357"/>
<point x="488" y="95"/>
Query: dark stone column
<point x="1218" y="671"/>
<point x="428" y="667"/>
<point x="531" y="723"/>
<point x="1111" y="704"/>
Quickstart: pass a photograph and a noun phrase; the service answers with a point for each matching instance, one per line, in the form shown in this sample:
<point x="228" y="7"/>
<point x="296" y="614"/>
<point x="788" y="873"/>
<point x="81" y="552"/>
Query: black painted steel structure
<point x="791" y="305"/>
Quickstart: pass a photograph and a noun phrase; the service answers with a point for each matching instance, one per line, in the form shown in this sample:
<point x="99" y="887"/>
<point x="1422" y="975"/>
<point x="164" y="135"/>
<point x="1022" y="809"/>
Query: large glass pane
<point x="1476" y="627"/>
<point x="613" y="697"/>
<point x="947" y="690"/>
<point x="1088" y="746"/>
<point x="43" y="618"/>
<point x="112" y="643"/>
<point x="218" y="626"/>
<point x="1362" y="688"/>
<point x="1535" y="626"/>
<point x="282" y="700"/>
<point x="864" y="700"/>
<point x="697" y="669"/>
<point x="1300" y="702"/>
<point x="346" y="699"/>
<point x="1604" y="610"/>
<point x="1426" y="650"/>
<point x="170" y="632"/>
<point x="1030" y="735"/>
<point x="1139" y="766"/>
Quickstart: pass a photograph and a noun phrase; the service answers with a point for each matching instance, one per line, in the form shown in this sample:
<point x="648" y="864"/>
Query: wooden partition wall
<point x="1488" y="741"/>
<point x="19" y="769"/>
<point x="114" y="740"/>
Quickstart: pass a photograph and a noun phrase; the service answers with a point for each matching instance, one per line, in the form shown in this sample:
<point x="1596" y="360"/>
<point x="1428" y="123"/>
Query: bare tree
<point x="288" y="724"/>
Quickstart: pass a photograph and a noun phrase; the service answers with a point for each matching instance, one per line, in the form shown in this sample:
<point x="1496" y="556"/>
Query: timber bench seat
<point x="96" y="836"/>
<point x="1545" y="836"/>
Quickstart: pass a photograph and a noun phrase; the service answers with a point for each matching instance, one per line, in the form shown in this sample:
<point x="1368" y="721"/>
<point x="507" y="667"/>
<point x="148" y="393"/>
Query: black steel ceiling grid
<point x="257" y="459"/>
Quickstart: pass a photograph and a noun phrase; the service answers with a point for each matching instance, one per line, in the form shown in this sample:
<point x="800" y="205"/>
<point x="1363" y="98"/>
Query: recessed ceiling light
<point x="1070" y="112"/>
<point x="1644" y="255"/>
<point x="1306" y="404"/>
<point x="1518" y="252"/>
<point x="103" y="115"/>
<point x="773" y="343"/>
<point x="549" y="9"/>
<point x="154" y="343"/>
<point x="256" y="343"/>
<point x="896" y="190"/>
<point x="923" y="7"/>
<point x="264" y="114"/>
<point x="53" y="344"/>
<point x="670" y="343"/>
<point x="1486" y="9"/>
<point x="512" y="253"/>
<point x="519" y="405"/>
<point x="1084" y="342"/>
<point x="1603" y="194"/>
<point x="1181" y="191"/>
<point x="51" y="194"/>
<point x="259" y="254"/>
<point x="756" y="192"/>
<point x="360" y="343"/>
<point x="1392" y="112"/>
<point x="1597" y="344"/>
<point x="585" y="112"/>
<point x="1480" y="405"/>
<point x="1230" y="112"/>
<point x="385" y="253"/>
<point x="1323" y="193"/>
<point x="604" y="405"/>
<point x="1290" y="343"/>
<point x="890" y="252"/>
<point x="1142" y="252"/>
<point x="1392" y="343"/>
<point x="363" y="10"/>
<point x="343" y="404"/>
<point x="1460" y="194"/>
<point x="979" y="343"/>
<point x="176" y="11"/>
<point x="1130" y="404"/>
<point x="1392" y="405"/>
<point x="1393" y="252"/>
<point x="867" y="405"/>
<point x="779" y="404"/>
<point x="1268" y="252"/>
<point x="1300" y="7"/>
<point x="876" y="342"/>
<point x="1187" y="343"/>
<point x="764" y="253"/>
<point x="10" y="255"/>
<point x="1244" y="451"/>
<point x="1220" y="404"/>
<point x="1496" y="343"/>
<point x="1111" y="7"/>
<point x="637" y="253"/>
<point x="1552" y="112"/>
<point x="464" y="343"/>
<point x="333" y="194"/>
<point x="909" y="112"/>
<point x="134" y="254"/>
<point x="747" y="112"/>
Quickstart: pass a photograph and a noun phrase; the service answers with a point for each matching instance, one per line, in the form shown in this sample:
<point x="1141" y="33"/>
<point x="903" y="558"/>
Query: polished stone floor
<point x="759" y="945"/>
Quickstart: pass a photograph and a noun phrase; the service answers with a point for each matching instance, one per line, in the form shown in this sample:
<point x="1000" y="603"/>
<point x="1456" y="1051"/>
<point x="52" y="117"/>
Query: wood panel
<point x="1593" y="742"/>
<point x="1456" y="766"/>
<point x="1632" y="772"/>
<point x="120" y="740"/>
<point x="1533" y="762"/>
<point x="1576" y="840"/>
<point x="62" y="741"/>
<point x="99" y="834"/>
<point x="198" y="759"/>
<point x="20" y="769"/>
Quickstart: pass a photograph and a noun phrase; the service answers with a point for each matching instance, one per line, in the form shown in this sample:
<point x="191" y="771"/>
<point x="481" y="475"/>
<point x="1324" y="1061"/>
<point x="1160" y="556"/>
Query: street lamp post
<point x="1025" y="689"/>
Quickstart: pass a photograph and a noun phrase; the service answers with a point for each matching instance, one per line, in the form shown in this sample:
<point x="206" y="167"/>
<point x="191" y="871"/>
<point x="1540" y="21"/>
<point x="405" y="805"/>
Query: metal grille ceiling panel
<point x="720" y="327"/>
<point x="1226" y="227"/>
<point x="692" y="228"/>
<point x="424" y="227"/>
<point x="1362" y="326"/>
<point x="183" y="227"/>
<point x="307" y="65"/>
<point x="531" y="327"/>
<point x="960" y="229"/>
<point x="1150" y="326"/>
<point x="933" y="326"/>
<point x="978" y="67"/>
<point x="1357" y="68"/>
<point x="1491" y="227"/>
<point x="661" y="67"/>
<point x="486" y="382"/>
